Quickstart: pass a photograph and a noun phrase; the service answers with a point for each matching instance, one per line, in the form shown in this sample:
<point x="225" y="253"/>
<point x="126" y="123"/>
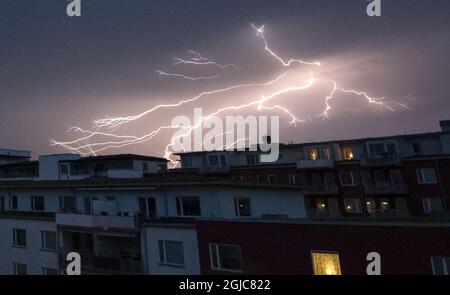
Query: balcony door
<point x="147" y="207"/>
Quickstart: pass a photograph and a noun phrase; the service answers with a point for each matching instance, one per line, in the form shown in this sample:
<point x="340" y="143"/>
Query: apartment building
<point x="385" y="176"/>
<point x="129" y="214"/>
<point x="121" y="213"/>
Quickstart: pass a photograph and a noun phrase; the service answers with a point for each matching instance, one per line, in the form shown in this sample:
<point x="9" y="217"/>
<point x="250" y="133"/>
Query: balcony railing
<point x="95" y="221"/>
<point x="320" y="189"/>
<point x="321" y="163"/>
<point x="389" y="213"/>
<point x="381" y="159"/>
<point x="214" y="169"/>
<point x="105" y="264"/>
<point x="374" y="188"/>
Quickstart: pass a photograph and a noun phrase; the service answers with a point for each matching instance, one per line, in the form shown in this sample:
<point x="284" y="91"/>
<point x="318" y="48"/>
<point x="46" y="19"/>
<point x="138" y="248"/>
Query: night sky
<point x="57" y="72"/>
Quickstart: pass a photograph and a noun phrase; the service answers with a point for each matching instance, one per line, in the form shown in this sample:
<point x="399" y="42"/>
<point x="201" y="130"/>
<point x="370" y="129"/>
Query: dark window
<point x="49" y="271"/>
<point x="19" y="237"/>
<point x="48" y="240"/>
<point x="14" y="203"/>
<point x="188" y="206"/>
<point x="225" y="257"/>
<point x="68" y="203"/>
<point x="417" y="148"/>
<point x="20" y="269"/>
<point x="145" y="166"/>
<point x="147" y="207"/>
<point x="2" y="204"/>
<point x="87" y="205"/>
<point x="64" y="169"/>
<point x="251" y="159"/>
<point x="37" y="203"/>
<point x="171" y="252"/>
<point x="213" y="160"/>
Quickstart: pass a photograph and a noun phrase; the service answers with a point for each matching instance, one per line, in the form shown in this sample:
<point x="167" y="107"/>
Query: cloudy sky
<point x="58" y="72"/>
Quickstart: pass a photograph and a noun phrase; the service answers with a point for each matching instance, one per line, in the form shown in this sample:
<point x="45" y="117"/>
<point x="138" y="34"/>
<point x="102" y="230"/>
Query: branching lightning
<point x="161" y="73"/>
<point x="111" y="140"/>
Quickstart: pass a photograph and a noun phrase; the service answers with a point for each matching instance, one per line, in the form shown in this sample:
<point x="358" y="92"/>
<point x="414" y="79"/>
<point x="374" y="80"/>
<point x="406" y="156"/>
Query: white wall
<point x="188" y="236"/>
<point x="32" y="255"/>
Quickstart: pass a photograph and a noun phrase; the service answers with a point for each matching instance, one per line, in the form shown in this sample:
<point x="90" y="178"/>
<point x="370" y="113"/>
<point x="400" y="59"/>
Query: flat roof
<point x="118" y="157"/>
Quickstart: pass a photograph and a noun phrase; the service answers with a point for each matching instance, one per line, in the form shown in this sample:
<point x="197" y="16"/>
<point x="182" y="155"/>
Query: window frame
<point x="421" y="176"/>
<point x="219" y="266"/>
<point x="237" y="206"/>
<point x="180" y="209"/>
<point x="16" y="265"/>
<point x="325" y="252"/>
<point x="354" y="177"/>
<point x="358" y="205"/>
<point x="33" y="203"/>
<point x="446" y="267"/>
<point x="163" y="244"/>
<point x="44" y="245"/>
<point x="15" y="238"/>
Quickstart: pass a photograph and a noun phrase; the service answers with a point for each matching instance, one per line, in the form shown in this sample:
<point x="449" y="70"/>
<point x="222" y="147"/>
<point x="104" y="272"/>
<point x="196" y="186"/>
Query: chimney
<point x="445" y="125"/>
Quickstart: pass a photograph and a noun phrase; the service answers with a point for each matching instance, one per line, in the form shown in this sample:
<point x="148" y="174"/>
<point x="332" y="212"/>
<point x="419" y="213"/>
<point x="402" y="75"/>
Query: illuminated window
<point x="352" y="205"/>
<point x="384" y="204"/>
<point x="313" y="154"/>
<point x="326" y="263"/>
<point x="348" y="154"/>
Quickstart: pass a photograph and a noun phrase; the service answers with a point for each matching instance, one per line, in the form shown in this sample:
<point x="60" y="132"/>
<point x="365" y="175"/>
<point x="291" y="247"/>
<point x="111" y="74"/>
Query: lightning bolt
<point x="199" y="60"/>
<point x="83" y="145"/>
<point x="161" y="73"/>
<point x="260" y="33"/>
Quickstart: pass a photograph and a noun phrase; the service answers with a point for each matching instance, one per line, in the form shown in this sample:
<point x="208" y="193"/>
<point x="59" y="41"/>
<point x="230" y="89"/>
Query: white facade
<point x="32" y="255"/>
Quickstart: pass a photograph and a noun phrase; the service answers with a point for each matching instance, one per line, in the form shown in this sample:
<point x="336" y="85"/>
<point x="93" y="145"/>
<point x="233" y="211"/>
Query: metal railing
<point x="385" y="187"/>
<point x="381" y="159"/>
<point x="320" y="163"/>
<point x="320" y="188"/>
<point x="95" y="221"/>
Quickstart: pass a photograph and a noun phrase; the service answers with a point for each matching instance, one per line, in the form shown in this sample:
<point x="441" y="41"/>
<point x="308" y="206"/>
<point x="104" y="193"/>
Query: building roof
<point x="118" y="157"/>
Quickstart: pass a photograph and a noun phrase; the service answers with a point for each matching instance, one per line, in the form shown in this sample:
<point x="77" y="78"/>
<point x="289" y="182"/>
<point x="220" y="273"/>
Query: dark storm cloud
<point x="57" y="71"/>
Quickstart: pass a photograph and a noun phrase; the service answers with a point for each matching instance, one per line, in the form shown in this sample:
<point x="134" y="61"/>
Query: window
<point x="145" y="166"/>
<point x="20" y="269"/>
<point x="238" y="178"/>
<point x="319" y="153"/>
<point x="2" y="204"/>
<point x="431" y="205"/>
<point x="188" y="206"/>
<point x="261" y="178"/>
<point x="252" y="159"/>
<point x="147" y="207"/>
<point x="271" y="178"/>
<point x="14" y="203"/>
<point x="426" y="176"/>
<point x="348" y="154"/>
<point x="384" y="204"/>
<point x="225" y="257"/>
<point x="321" y="206"/>
<point x="110" y="198"/>
<point x="242" y="207"/>
<point x="440" y="266"/>
<point x="68" y="203"/>
<point x="186" y="162"/>
<point x="376" y="149"/>
<point x="326" y="263"/>
<point x="417" y="148"/>
<point x="48" y="240"/>
<point x="213" y="160"/>
<point x="19" y="237"/>
<point x="37" y="203"/>
<point x="348" y="178"/>
<point x="291" y="178"/>
<point x="371" y="206"/>
<point x="49" y="271"/>
<point x="171" y="252"/>
<point x="352" y="205"/>
<point x="64" y="169"/>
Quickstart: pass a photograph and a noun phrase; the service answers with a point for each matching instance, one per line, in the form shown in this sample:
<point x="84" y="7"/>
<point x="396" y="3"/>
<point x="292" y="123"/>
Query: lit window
<point x="313" y="154"/>
<point x="384" y="204"/>
<point x="370" y="205"/>
<point x="348" y="154"/>
<point x="352" y="205"/>
<point x="242" y="207"/>
<point x="326" y="263"/>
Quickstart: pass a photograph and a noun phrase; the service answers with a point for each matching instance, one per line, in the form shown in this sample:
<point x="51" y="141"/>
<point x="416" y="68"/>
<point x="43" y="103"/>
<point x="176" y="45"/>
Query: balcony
<point x="381" y="159"/>
<point x="95" y="221"/>
<point x="320" y="189"/>
<point x="375" y="188"/>
<point x="92" y="263"/>
<point x="214" y="169"/>
<point x="320" y="163"/>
